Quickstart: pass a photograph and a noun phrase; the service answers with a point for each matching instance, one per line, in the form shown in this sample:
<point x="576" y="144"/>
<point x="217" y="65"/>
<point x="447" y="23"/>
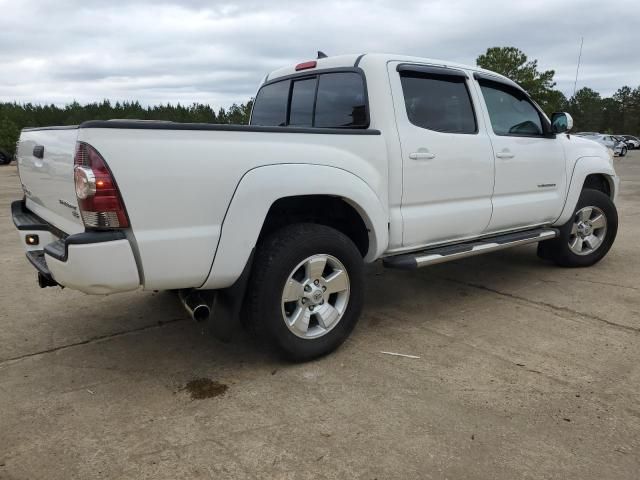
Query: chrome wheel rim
<point x="588" y="230"/>
<point x="315" y="296"/>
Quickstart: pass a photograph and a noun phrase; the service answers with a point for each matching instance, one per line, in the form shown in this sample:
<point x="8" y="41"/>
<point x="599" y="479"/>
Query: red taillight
<point x="306" y="65"/>
<point x="97" y="193"/>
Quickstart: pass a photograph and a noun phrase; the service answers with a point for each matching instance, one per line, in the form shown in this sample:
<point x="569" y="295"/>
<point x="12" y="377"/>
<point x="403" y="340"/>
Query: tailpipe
<point x="197" y="304"/>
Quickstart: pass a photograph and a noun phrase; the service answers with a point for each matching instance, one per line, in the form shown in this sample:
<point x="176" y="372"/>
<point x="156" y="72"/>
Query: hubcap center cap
<point x="585" y="229"/>
<point x="314" y="294"/>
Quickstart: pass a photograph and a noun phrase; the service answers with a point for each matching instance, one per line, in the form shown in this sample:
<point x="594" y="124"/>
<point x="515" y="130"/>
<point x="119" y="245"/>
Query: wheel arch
<point x="588" y="172"/>
<point x="265" y="193"/>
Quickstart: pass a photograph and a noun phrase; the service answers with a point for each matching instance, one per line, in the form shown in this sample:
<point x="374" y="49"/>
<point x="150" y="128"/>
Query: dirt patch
<point x="202" y="388"/>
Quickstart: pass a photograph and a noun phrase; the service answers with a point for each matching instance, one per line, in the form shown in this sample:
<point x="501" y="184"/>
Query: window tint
<point x="337" y="99"/>
<point x="302" y="96"/>
<point x="440" y="103"/>
<point x="270" y="107"/>
<point x="510" y="111"/>
<point x="341" y="101"/>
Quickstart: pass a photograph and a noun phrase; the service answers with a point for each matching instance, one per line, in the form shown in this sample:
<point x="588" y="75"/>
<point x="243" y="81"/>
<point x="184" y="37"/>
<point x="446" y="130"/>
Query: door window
<point x="511" y="112"/>
<point x="438" y="102"/>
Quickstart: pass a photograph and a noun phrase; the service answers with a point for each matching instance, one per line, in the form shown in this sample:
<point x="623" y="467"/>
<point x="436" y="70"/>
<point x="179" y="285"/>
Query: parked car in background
<point x="620" y="138"/>
<point x="612" y="143"/>
<point x="5" y="158"/>
<point x="632" y="142"/>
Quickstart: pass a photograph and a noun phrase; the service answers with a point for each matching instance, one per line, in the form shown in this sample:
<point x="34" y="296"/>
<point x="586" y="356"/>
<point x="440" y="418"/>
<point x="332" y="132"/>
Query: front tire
<point x="587" y="237"/>
<point x="306" y="290"/>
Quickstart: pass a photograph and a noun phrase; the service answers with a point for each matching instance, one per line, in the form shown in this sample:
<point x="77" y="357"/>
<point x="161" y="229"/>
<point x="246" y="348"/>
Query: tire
<point x="563" y="250"/>
<point x="624" y="152"/>
<point x="292" y="257"/>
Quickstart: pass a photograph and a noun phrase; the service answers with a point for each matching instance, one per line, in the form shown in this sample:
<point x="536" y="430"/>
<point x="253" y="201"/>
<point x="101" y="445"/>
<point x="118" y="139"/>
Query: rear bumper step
<point x="25" y="219"/>
<point x="432" y="256"/>
<point x="45" y="279"/>
<point x="95" y="262"/>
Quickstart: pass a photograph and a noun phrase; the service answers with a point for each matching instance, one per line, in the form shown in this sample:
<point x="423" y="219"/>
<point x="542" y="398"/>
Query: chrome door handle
<point x="505" y="154"/>
<point x="422" y="155"/>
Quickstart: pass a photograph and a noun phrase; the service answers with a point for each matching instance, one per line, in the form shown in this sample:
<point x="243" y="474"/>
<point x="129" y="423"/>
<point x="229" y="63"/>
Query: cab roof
<point x="372" y="59"/>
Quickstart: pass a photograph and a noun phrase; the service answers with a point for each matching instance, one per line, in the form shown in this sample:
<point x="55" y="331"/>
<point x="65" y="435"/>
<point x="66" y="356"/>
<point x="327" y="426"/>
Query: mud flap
<point x="228" y="304"/>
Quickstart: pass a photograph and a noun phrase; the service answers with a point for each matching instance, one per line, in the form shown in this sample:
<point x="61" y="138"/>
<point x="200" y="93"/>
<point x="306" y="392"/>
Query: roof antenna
<point x="321" y="54"/>
<point x="578" y="67"/>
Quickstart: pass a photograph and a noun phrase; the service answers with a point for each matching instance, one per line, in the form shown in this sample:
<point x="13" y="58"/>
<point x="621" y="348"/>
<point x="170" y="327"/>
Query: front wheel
<point x="306" y="289"/>
<point x="587" y="237"/>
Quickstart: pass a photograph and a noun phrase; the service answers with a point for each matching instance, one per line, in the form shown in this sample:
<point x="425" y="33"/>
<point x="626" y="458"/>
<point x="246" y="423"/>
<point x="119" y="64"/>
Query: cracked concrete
<point x="525" y="371"/>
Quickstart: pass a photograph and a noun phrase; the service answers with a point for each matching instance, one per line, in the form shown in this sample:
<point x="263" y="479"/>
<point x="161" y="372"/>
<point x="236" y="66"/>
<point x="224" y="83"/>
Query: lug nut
<point x="324" y="289"/>
<point x="311" y="308"/>
<point x="322" y="302"/>
<point x="307" y="288"/>
<point x="316" y="282"/>
<point x="304" y="300"/>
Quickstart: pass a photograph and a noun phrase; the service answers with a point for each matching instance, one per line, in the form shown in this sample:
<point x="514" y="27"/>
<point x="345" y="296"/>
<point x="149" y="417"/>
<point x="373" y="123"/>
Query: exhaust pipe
<point x="196" y="304"/>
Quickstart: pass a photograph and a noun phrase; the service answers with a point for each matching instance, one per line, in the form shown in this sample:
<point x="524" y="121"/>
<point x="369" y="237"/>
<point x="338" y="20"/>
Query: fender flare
<point x="260" y="187"/>
<point x="584" y="167"/>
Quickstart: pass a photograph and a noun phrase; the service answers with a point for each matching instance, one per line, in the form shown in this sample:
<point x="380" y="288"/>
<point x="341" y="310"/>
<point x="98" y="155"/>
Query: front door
<point x="530" y="173"/>
<point x="446" y="155"/>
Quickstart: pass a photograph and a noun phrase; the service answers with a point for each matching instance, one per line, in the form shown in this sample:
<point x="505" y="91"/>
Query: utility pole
<point x="578" y="67"/>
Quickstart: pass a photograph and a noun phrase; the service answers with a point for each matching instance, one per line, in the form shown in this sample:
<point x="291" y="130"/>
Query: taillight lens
<point x="98" y="197"/>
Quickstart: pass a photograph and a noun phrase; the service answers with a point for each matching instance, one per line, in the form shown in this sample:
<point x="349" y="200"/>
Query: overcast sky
<point x="217" y="52"/>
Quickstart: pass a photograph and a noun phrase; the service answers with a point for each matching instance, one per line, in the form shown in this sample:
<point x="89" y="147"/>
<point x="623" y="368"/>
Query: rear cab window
<point x="336" y="99"/>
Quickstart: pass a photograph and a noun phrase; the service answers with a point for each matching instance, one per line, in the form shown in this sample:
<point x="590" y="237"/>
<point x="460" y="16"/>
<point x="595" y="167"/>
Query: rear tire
<point x="306" y="290"/>
<point x="587" y="237"/>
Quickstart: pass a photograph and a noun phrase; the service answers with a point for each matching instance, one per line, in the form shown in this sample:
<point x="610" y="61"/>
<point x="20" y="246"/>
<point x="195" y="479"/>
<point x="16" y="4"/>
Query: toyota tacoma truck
<point x="347" y="160"/>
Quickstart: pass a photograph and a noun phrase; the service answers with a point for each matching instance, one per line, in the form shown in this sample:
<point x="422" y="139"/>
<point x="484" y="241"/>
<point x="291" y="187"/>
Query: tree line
<point x="14" y="116"/>
<point x="591" y="112"/>
<point x="619" y="113"/>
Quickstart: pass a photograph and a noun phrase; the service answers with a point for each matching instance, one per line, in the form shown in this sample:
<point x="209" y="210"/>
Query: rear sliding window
<point x="326" y="100"/>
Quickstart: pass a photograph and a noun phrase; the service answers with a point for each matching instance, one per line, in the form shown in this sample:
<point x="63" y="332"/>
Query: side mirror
<point x="561" y="122"/>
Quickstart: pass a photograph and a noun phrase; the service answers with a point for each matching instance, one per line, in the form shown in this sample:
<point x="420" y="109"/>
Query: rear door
<point x="530" y="173"/>
<point x="446" y="155"/>
<point x="45" y="165"/>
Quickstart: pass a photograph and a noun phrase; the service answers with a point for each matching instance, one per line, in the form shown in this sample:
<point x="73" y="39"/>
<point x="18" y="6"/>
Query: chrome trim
<point x="418" y="248"/>
<point x="434" y="259"/>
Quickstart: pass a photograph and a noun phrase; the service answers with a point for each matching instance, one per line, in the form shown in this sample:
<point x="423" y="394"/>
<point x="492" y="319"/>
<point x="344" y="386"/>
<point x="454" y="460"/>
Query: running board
<point x="432" y="256"/>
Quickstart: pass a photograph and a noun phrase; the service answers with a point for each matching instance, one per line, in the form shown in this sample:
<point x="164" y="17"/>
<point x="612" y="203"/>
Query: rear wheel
<point x="306" y="289"/>
<point x="587" y="237"/>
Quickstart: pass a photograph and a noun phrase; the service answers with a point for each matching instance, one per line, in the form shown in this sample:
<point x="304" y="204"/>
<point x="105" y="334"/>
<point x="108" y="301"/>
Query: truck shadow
<point x="167" y="344"/>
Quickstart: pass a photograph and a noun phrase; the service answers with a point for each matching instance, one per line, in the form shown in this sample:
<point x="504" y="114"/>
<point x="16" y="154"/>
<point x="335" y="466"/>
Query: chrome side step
<point x="432" y="256"/>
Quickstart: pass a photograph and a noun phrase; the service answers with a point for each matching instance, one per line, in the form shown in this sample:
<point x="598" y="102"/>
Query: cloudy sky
<point x="218" y="51"/>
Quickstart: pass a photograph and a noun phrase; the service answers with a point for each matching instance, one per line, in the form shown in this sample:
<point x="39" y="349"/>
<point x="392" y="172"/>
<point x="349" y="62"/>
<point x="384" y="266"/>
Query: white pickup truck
<point x="347" y="160"/>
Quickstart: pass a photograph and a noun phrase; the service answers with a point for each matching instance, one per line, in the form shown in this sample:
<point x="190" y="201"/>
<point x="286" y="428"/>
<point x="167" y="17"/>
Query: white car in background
<point x="618" y="147"/>
<point x="632" y="142"/>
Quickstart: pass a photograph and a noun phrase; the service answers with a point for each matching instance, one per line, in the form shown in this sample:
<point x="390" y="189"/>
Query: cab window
<point x="510" y="110"/>
<point x="438" y="102"/>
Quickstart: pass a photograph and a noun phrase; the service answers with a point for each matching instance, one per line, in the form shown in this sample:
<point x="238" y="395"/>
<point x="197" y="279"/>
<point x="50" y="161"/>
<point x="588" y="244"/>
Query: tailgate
<point x="45" y="164"/>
